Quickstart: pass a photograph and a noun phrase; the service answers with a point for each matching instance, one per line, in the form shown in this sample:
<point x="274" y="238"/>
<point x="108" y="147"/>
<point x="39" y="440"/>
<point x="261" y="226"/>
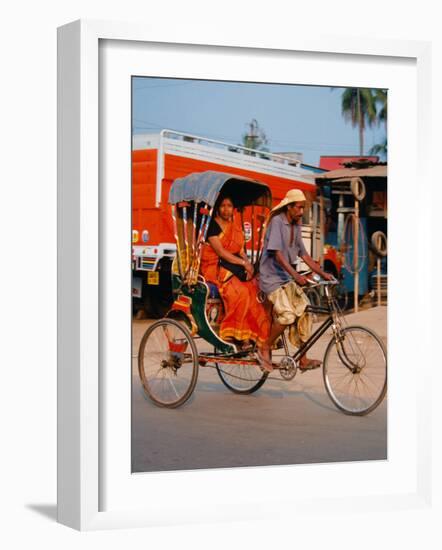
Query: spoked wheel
<point x="355" y="371"/>
<point x="168" y="363"/>
<point x="241" y="377"/>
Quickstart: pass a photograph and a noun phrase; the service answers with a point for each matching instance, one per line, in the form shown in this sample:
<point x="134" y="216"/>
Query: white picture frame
<point x="81" y="296"/>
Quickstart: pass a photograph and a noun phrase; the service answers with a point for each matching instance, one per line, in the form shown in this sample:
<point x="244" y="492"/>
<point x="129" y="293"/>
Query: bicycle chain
<point x="241" y="378"/>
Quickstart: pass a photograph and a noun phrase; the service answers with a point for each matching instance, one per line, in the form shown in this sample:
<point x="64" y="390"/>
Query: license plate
<point x="153" y="278"/>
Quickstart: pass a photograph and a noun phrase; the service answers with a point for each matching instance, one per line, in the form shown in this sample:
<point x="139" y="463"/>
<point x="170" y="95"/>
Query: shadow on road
<point x="271" y="393"/>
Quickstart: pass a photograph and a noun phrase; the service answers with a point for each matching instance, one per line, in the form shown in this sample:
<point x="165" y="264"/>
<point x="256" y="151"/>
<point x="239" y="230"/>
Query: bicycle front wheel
<point x="168" y="363"/>
<point x="355" y="371"/>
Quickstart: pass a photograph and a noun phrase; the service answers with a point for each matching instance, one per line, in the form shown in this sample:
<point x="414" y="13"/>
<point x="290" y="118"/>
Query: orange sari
<point x="245" y="318"/>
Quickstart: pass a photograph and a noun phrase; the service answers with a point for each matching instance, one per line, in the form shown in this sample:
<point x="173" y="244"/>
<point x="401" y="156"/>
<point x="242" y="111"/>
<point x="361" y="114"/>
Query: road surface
<point x="282" y="423"/>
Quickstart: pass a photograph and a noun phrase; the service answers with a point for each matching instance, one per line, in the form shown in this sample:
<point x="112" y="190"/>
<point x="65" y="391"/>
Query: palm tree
<point x="380" y="97"/>
<point x="358" y="106"/>
<point x="380" y="149"/>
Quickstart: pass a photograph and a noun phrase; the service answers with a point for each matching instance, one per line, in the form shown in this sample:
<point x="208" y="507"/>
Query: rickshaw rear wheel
<point x="168" y="363"/>
<point x="241" y="379"/>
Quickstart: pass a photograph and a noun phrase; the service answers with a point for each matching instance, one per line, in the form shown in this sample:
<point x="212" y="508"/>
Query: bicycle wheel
<point x="168" y="363"/>
<point x="355" y="371"/>
<point x="241" y="378"/>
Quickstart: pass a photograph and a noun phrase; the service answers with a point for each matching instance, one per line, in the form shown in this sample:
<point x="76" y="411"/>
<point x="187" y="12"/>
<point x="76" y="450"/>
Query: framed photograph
<point x="142" y="445"/>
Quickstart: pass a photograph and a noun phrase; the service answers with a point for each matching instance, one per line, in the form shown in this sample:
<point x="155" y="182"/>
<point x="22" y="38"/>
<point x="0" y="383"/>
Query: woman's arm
<point x="215" y="243"/>
<point x="243" y="255"/>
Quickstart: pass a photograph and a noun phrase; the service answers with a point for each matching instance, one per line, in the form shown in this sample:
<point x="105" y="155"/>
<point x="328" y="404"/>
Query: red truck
<point x="157" y="160"/>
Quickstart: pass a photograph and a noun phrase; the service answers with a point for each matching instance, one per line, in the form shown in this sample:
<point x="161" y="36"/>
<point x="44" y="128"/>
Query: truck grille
<point x="147" y="263"/>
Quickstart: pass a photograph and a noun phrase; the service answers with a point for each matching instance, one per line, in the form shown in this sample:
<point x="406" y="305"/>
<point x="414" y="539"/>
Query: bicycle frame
<point x="318" y="332"/>
<point x="241" y="357"/>
<point x="331" y="310"/>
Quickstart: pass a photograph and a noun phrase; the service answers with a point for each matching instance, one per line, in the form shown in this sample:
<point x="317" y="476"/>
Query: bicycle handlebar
<point x="317" y="280"/>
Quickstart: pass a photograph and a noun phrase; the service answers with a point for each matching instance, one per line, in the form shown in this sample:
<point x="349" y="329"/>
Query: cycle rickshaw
<point x="354" y="363"/>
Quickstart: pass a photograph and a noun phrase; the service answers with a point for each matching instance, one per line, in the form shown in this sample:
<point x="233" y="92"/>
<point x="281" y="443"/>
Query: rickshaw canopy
<point x="207" y="186"/>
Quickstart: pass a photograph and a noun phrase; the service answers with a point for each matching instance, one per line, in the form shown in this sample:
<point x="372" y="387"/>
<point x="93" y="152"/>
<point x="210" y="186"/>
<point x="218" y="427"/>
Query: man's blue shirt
<point x="287" y="238"/>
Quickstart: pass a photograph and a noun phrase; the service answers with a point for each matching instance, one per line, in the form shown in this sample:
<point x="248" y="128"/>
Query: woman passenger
<point x="245" y="318"/>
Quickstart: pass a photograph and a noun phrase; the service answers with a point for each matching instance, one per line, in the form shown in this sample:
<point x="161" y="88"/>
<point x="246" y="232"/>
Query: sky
<point x="295" y="118"/>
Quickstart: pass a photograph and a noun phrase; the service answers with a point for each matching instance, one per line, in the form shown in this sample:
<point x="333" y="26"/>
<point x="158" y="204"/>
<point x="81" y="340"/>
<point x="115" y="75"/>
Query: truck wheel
<point x="161" y="302"/>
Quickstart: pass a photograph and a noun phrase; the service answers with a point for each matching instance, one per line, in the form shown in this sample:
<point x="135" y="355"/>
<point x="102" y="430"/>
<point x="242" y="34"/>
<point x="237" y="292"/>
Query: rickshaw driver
<point x="281" y="283"/>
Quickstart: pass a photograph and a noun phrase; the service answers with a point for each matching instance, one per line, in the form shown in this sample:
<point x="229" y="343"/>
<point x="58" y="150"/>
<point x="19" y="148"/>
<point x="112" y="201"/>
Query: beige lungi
<point x="289" y="303"/>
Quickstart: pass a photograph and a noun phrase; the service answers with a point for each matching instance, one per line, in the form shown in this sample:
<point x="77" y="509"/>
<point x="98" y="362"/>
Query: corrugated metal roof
<point x="372" y="172"/>
<point x="336" y="162"/>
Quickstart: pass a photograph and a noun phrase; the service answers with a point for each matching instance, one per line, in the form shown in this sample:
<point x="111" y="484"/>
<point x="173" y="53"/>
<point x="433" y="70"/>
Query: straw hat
<point x="294" y="195"/>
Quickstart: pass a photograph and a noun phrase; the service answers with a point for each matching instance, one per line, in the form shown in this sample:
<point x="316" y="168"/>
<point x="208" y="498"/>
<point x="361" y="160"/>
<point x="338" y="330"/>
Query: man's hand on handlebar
<point x="316" y="278"/>
<point x="327" y="276"/>
<point x="301" y="280"/>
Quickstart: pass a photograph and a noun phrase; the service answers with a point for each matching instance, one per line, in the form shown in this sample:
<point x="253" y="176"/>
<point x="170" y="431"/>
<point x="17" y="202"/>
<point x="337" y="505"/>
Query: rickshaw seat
<point x="213" y="292"/>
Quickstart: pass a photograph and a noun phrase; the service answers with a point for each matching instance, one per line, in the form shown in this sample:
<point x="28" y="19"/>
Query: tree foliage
<point x="365" y="107"/>
<point x="255" y="137"/>
<point x="358" y="107"/>
<point x="381" y="100"/>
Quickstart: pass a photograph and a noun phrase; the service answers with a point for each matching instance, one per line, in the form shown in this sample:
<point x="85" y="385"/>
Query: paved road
<point x="282" y="423"/>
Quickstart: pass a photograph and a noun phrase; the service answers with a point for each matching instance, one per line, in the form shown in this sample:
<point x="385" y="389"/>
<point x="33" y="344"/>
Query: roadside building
<point x="357" y="188"/>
